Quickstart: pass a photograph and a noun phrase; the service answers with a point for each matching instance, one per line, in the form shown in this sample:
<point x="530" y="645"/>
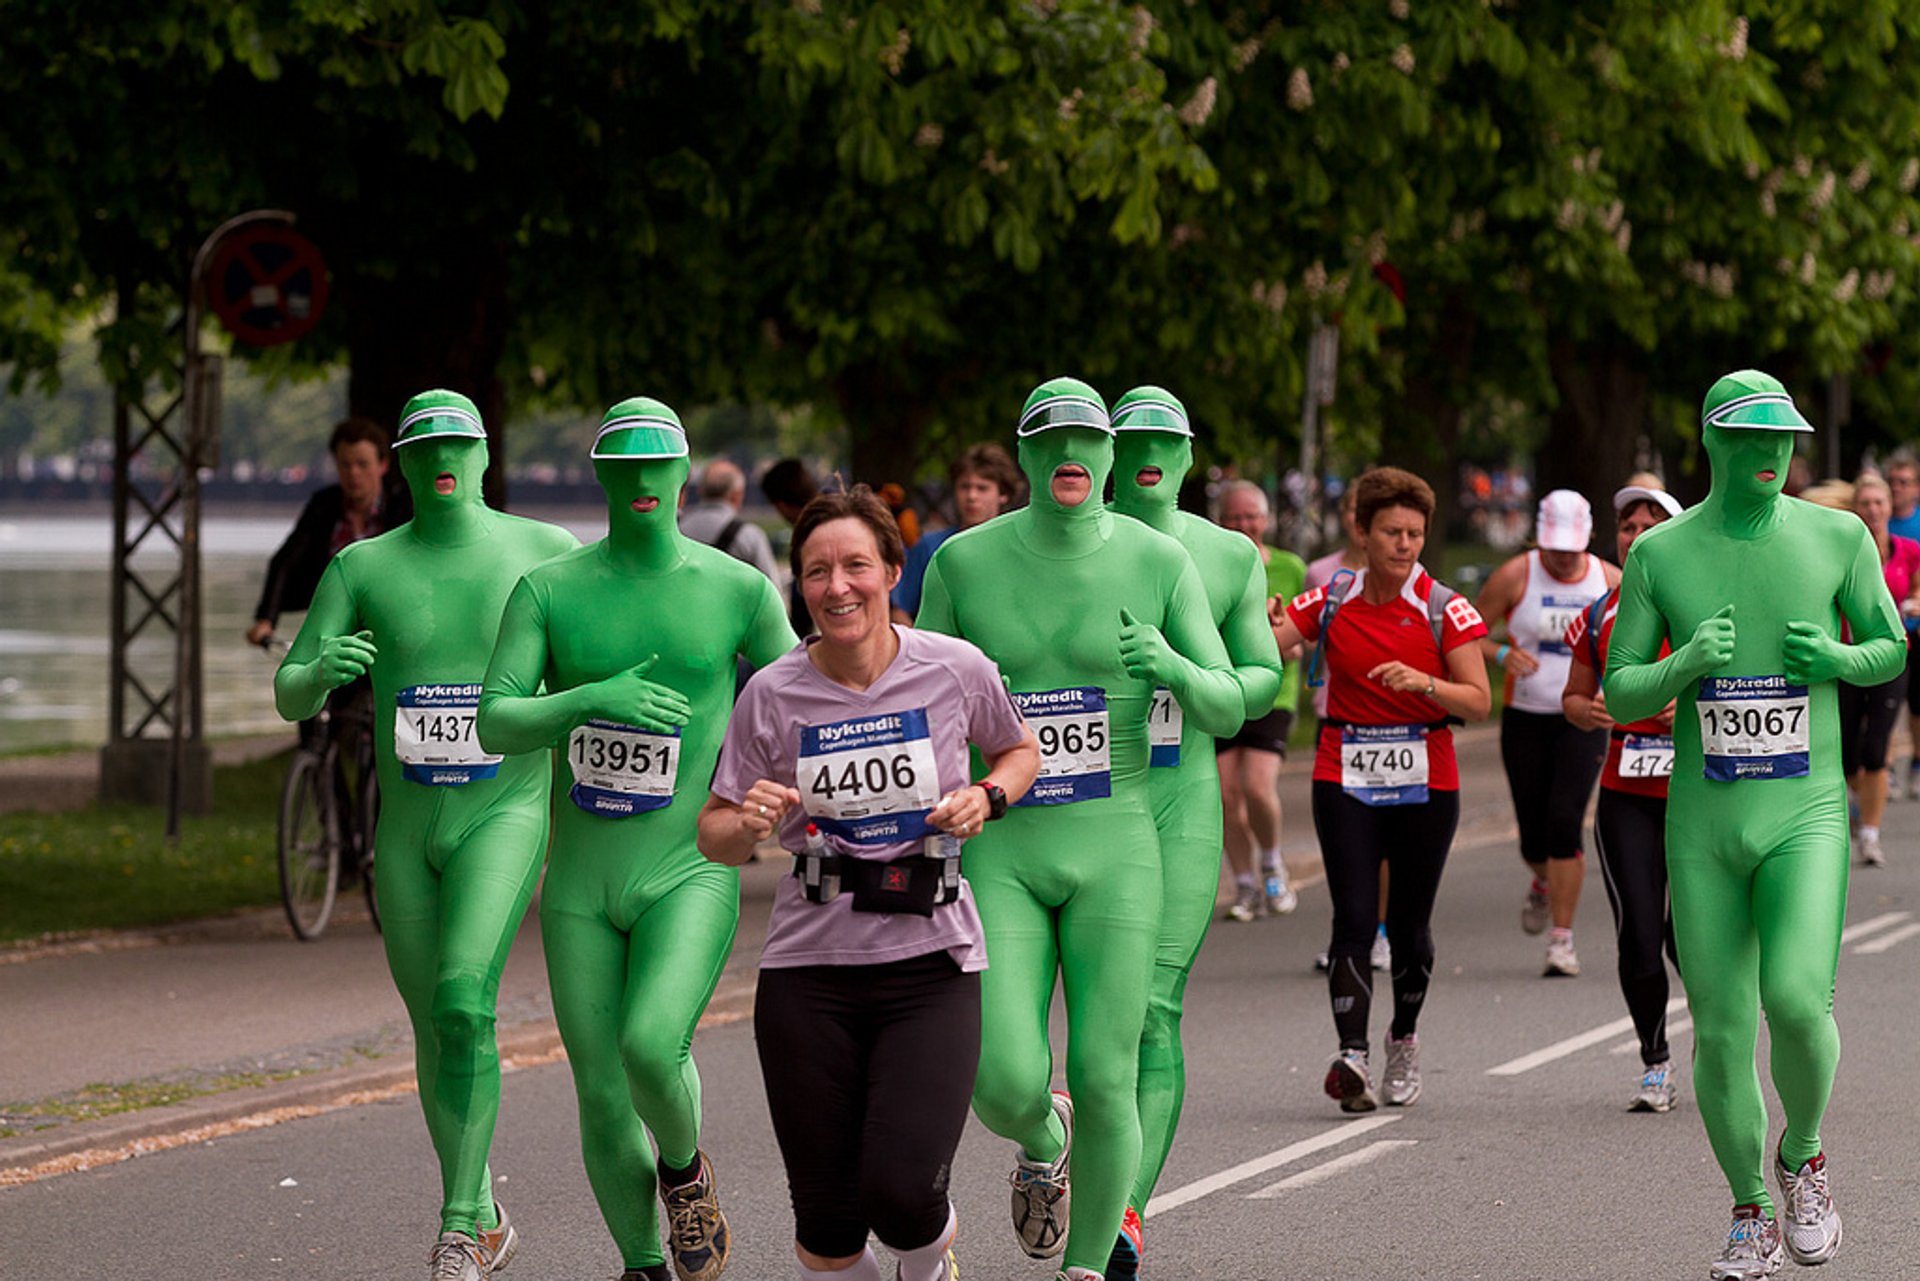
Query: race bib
<point x="434" y="739"/>
<point x="1165" y="723"/>
<point x="1384" y="764"/>
<point x="1557" y="613"/>
<point x="1753" y="727"/>
<point x="1075" y="747"/>
<point x="870" y="781"/>
<point x="1646" y="756"/>
<point x="622" y="770"/>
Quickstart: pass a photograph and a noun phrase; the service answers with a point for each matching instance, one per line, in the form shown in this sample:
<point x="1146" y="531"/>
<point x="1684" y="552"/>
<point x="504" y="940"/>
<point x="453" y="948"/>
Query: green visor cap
<point x="1751" y="401"/>
<point x="436" y="415"/>
<point x="640" y="428"/>
<point x="1063" y="402"/>
<point x="1151" y="409"/>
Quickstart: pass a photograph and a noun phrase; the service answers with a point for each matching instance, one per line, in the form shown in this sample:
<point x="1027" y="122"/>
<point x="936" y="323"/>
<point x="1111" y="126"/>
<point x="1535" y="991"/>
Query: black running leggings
<point x="1867" y="718"/>
<point x="1551" y="768"/>
<point x="1630" y="836"/>
<point x="1354" y="838"/>
<point x="869" y="1072"/>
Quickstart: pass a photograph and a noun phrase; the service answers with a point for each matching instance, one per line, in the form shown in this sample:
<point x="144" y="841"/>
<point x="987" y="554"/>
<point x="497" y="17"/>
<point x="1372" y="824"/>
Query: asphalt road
<point x="1534" y="1173"/>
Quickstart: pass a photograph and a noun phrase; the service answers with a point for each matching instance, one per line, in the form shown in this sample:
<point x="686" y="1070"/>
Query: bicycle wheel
<point x="309" y="846"/>
<point x="369" y="820"/>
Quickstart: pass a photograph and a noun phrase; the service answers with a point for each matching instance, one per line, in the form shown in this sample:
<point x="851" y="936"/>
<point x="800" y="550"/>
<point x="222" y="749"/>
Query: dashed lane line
<point x="1339" y="1165"/>
<point x="1261" y="1164"/>
<point x="1886" y="941"/>
<point x="1871" y="926"/>
<point x="1573" y="1044"/>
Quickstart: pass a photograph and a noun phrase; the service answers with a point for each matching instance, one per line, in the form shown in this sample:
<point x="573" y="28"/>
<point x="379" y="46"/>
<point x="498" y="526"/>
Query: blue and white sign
<point x="434" y="739"/>
<point x="871" y="780"/>
<point x="1753" y="727"/>
<point x="1076" y="745"/>
<point x="622" y="770"/>
<point x="1165" y="723"/>
<point x="1384" y="764"/>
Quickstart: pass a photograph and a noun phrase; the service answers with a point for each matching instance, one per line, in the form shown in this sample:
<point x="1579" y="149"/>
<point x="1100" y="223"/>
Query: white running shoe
<point x="1349" y="1081"/>
<point x="500" y="1241"/>
<point x="1810" y="1225"/>
<point x="1871" y="855"/>
<point x="1562" y="962"/>
<point x="457" y="1257"/>
<point x="1655" y="1092"/>
<point x="1248" y="904"/>
<point x="1753" y="1247"/>
<point x="1040" y="1193"/>
<point x="1400" y="1085"/>
<point x="1281" y="899"/>
<point x="1382" y="957"/>
<point x="1534" y="913"/>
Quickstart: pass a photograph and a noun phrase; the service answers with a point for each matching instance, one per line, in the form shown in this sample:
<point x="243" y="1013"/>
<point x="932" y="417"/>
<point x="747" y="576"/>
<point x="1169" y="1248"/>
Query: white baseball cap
<point x="1565" y="522"/>
<point x="1628" y="495"/>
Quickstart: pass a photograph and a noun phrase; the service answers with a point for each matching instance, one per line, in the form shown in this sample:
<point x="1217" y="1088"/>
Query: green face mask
<point x="1138" y="451"/>
<point x="1740" y="455"/>
<point x="652" y="484"/>
<point x="443" y="473"/>
<point x="1043" y="454"/>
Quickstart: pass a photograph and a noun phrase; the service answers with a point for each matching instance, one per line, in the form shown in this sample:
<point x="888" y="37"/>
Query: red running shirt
<point x="1366" y="635"/>
<point x="1591" y="651"/>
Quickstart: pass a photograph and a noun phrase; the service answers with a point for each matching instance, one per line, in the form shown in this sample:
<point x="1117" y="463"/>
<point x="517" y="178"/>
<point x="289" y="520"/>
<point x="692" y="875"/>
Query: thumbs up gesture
<point x="1712" y="645"/>
<point x="630" y="698"/>
<point x="347" y="658"/>
<point x="1144" y="652"/>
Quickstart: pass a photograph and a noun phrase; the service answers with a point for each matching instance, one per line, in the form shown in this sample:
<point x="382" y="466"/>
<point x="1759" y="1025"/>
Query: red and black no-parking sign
<point x="268" y="284"/>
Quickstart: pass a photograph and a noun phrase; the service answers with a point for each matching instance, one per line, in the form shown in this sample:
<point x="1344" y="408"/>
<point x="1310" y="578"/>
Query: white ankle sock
<point x="929" y="1262"/>
<point x="1270" y="864"/>
<point x="1869" y="833"/>
<point x="867" y="1269"/>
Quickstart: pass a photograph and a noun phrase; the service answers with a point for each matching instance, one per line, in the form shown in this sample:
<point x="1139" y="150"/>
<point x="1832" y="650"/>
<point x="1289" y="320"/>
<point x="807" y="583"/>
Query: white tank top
<point x="1538" y="625"/>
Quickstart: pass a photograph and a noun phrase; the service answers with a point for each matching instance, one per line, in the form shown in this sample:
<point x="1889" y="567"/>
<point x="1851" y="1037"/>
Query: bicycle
<point x="329" y="808"/>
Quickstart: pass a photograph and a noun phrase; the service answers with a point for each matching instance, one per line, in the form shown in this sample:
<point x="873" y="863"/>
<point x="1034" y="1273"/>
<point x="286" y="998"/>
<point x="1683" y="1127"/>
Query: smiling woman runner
<point x="462" y="830"/>
<point x="1630" y="824"/>
<point x="853" y="749"/>
<point x="635" y="638"/>
<point x="1400" y="669"/>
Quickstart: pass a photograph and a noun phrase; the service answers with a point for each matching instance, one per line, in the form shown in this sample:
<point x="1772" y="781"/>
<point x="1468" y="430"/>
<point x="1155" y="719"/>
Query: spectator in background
<point x="1903" y="482"/>
<point x="789" y="486"/>
<point x="358" y="507"/>
<point x="716" y="520"/>
<point x="985" y="483"/>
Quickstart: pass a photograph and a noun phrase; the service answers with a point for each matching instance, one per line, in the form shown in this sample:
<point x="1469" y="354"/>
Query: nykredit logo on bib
<point x="879" y="725"/>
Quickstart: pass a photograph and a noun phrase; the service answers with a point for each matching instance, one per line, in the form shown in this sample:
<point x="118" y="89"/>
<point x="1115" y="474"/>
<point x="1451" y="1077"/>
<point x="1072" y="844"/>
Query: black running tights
<point x="1630" y="836"/>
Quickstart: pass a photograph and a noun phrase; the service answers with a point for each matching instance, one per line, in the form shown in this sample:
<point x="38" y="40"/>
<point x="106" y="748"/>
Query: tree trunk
<point x="887" y="417"/>
<point x="411" y="334"/>
<point x="1426" y="439"/>
<point x="1595" y="430"/>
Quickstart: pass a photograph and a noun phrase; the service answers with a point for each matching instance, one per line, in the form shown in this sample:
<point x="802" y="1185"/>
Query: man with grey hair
<point x="716" y="520"/>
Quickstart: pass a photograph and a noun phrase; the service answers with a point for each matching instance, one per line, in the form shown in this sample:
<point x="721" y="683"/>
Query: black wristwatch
<point x="996" y="800"/>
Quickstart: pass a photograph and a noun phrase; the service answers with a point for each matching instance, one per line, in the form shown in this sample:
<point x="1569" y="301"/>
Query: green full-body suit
<point x="1152" y="437"/>
<point x="637" y="631"/>
<point x="1069" y="597"/>
<point x="1751" y="584"/>
<point x="459" y="848"/>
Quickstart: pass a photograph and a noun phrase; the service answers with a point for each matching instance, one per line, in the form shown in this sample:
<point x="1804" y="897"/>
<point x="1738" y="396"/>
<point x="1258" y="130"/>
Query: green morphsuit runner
<point x="1752" y="587"/>
<point x="635" y="639"/>
<point x="462" y="831"/>
<point x="1085" y="613"/>
<point x="1153" y="451"/>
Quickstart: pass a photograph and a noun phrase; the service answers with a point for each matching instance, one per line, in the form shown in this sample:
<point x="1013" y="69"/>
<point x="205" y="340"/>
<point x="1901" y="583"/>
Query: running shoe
<point x="1534" y="914"/>
<point x="499" y="1241"/>
<point x="1382" y="956"/>
<point x="1753" y="1247"/>
<point x="457" y="1257"/>
<point x="949" y="1269"/>
<point x="1656" y="1092"/>
<point x="1810" y="1224"/>
<point x="1249" y="904"/>
<point x="1040" y="1193"/>
<point x="1562" y="962"/>
<point x="1076" y="1274"/>
<point x="697" y="1237"/>
<point x="1124" y="1263"/>
<point x="652" y="1272"/>
<point x="1400" y="1084"/>
<point x="1280" y="898"/>
<point x="1349" y="1082"/>
<point x="1870" y="852"/>
<point x="1322" y="961"/>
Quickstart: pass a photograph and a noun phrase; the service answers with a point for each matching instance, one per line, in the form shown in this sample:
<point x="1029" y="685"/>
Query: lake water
<point x="55" y="611"/>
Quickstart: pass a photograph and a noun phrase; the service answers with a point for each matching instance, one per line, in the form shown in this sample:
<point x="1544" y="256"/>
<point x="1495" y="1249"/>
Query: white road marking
<point x="1873" y="926"/>
<point x="1261" y="1164"/>
<point x="1886" y="941"/>
<point x="1339" y="1165"/>
<point x="1573" y="1044"/>
<point x="1674" y="1029"/>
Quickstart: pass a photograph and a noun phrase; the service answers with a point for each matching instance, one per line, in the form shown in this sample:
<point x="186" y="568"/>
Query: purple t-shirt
<point x="938" y="695"/>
